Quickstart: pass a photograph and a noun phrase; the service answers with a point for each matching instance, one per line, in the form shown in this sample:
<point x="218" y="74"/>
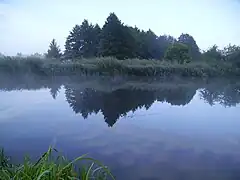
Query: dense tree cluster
<point x="118" y="40"/>
<point x="121" y="41"/>
<point x="231" y="54"/>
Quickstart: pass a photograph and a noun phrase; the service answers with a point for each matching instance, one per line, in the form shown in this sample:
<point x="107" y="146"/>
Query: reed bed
<point x="112" y="66"/>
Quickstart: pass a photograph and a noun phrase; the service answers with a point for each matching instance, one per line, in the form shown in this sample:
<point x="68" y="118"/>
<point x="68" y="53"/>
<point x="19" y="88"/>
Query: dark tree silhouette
<point x="118" y="103"/>
<point x="190" y="42"/>
<point x="54" y="50"/>
<point x="83" y="41"/>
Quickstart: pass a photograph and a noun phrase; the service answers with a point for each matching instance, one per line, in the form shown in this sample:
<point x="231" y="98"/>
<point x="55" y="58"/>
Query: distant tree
<point x="73" y="44"/>
<point x="116" y="39"/>
<point x="83" y="41"/>
<point x="163" y="43"/>
<point x="37" y="55"/>
<point x="213" y="53"/>
<point x="96" y="34"/>
<point x="178" y="52"/>
<point x="192" y="45"/>
<point x="231" y="54"/>
<point x="54" y="50"/>
<point x="139" y="48"/>
<point x="144" y="44"/>
<point x="1" y="55"/>
<point x="19" y="54"/>
<point x="150" y="45"/>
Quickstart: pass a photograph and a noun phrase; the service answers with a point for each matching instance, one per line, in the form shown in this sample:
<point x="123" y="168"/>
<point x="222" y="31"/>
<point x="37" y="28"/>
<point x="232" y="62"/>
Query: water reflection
<point x="119" y="102"/>
<point x="228" y="97"/>
<point x="186" y="138"/>
<point x="114" y="97"/>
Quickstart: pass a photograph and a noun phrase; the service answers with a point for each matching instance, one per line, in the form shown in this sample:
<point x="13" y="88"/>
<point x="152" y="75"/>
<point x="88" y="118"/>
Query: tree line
<point x="125" y="42"/>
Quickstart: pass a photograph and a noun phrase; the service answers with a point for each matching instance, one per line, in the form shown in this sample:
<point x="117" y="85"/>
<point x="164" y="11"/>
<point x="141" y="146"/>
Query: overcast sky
<point x="28" y="26"/>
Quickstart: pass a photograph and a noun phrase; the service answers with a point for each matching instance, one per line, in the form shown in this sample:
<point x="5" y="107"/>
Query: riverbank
<point x="112" y="66"/>
<point x="51" y="167"/>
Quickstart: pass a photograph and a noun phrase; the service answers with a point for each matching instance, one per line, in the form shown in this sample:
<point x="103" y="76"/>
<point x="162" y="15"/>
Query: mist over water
<point x="140" y="128"/>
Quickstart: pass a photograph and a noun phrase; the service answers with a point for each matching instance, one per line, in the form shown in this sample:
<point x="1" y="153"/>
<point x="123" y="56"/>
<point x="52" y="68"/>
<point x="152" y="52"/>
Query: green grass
<point x="112" y="66"/>
<point x="51" y="167"/>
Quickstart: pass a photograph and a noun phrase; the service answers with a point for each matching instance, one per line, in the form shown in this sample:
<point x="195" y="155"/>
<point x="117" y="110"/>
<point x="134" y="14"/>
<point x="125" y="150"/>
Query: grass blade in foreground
<point x="50" y="167"/>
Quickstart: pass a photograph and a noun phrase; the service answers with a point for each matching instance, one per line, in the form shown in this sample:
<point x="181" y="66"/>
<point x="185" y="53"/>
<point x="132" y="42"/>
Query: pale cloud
<point x="28" y="26"/>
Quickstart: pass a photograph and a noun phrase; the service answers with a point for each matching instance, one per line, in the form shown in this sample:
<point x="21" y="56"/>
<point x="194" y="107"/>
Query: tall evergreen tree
<point x="73" y="43"/>
<point x="139" y="45"/>
<point x="96" y="35"/>
<point x="54" y="50"/>
<point x="83" y="41"/>
<point x="116" y="39"/>
<point x="152" y="45"/>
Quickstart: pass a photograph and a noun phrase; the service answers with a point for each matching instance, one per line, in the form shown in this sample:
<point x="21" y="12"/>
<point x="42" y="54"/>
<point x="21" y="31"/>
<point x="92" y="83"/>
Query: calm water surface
<point x="173" y="132"/>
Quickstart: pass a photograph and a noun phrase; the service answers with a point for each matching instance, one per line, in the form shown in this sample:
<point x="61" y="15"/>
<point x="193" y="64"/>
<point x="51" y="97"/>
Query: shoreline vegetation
<point x="116" y="48"/>
<point x="113" y="66"/>
<point x="51" y="165"/>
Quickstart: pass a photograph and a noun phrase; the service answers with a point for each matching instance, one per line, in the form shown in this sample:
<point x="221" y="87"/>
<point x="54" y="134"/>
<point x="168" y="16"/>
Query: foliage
<point x="178" y="52"/>
<point x="164" y="42"/>
<point x="189" y="41"/>
<point x="120" y="41"/>
<point x="231" y="54"/>
<point x="123" y="42"/>
<point x="83" y="41"/>
<point x="213" y="53"/>
<point x="54" y="50"/>
<point x="50" y="167"/>
<point x="116" y="39"/>
<point x="113" y="66"/>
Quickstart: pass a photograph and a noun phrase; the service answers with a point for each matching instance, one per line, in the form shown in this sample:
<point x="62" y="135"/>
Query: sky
<point x="28" y="26"/>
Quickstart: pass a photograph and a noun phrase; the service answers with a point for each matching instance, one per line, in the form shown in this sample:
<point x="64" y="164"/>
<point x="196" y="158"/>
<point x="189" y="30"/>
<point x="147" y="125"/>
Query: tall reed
<point x="113" y="66"/>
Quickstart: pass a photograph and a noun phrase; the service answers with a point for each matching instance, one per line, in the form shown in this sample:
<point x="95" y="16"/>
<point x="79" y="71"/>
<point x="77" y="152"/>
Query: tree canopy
<point x="115" y="39"/>
<point x="118" y="40"/>
<point x="178" y="52"/>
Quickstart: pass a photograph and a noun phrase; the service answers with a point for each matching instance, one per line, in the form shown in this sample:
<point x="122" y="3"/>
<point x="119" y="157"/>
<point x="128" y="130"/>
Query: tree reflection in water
<point x="115" y="97"/>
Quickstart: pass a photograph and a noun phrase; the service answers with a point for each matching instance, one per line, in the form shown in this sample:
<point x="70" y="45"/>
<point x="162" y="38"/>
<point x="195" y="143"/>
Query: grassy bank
<point x="51" y="167"/>
<point x="112" y="66"/>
